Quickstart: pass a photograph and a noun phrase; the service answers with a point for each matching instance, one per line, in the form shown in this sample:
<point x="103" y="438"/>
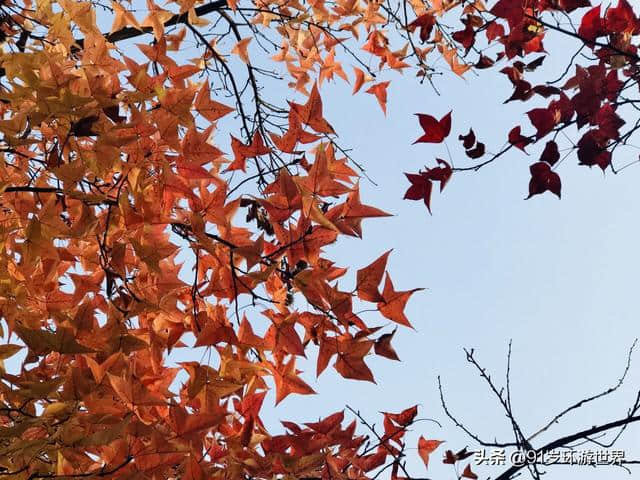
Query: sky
<point x="558" y="278"/>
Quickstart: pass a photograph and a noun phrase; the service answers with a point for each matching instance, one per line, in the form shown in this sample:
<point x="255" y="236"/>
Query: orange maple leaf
<point x="394" y="303"/>
<point x="369" y="277"/>
<point x="426" y="448"/>
<point x="287" y="381"/>
<point x="210" y="109"/>
<point x="311" y="112"/>
<point x="380" y="92"/>
<point x="240" y="49"/>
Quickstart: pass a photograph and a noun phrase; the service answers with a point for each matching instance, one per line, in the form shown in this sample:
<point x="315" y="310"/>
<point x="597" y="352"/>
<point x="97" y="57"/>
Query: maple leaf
<point x="311" y="112"/>
<point x="361" y="78"/>
<point x="467" y="473"/>
<point x="251" y="404"/>
<point x="494" y="30"/>
<point x="156" y="19"/>
<point x="591" y="25"/>
<point x="425" y="23"/>
<point x="210" y="109"/>
<point x="372" y="461"/>
<point x="420" y="189"/>
<point x="465" y="37"/>
<point x="380" y="92"/>
<point x="426" y="448"/>
<point x="133" y="393"/>
<point x="331" y="67"/>
<point x="282" y="336"/>
<point x="609" y="121"/>
<point x="287" y="381"/>
<point x="468" y="140"/>
<point x="369" y="277"/>
<point x="592" y="150"/>
<point x="621" y="19"/>
<point x="242" y="152"/>
<point x="476" y="152"/>
<point x="449" y="458"/>
<point x="241" y="47"/>
<point x="435" y="131"/>
<point x="518" y="140"/>
<point x="543" y="119"/>
<point x="543" y="179"/>
<point x="328" y="424"/>
<point x="404" y="418"/>
<point x="395" y="302"/>
<point x="123" y="18"/>
<point x="511" y="10"/>
<point x="353" y="211"/>
<point x="421" y="184"/>
<point x="452" y="58"/>
<point x="384" y="348"/>
<point x="550" y="153"/>
<point x="350" y="362"/>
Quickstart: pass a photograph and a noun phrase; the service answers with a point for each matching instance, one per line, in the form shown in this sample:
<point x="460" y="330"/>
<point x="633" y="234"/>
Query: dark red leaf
<point x="403" y="418"/>
<point x="546" y="90"/>
<point x="522" y="92"/>
<point x="592" y="150"/>
<point x="435" y="131"/>
<point x="613" y="85"/>
<point x="543" y="179"/>
<point x="463" y="454"/>
<point x="514" y="72"/>
<point x="476" y="152"/>
<point x="534" y="45"/>
<point x="591" y="25"/>
<point x="449" y="457"/>
<point x="621" y="18"/>
<point x="466" y="37"/>
<point x="511" y="10"/>
<point x="570" y="5"/>
<point x="543" y="119"/>
<point x="550" y="154"/>
<point x="609" y="121"/>
<point x="384" y="348"/>
<point x="494" y="30"/>
<point x="425" y="22"/>
<point x="468" y="140"/>
<point x="441" y="174"/>
<point x="531" y="66"/>
<point x="418" y="188"/>
<point x="517" y="140"/>
<point x="469" y="474"/>
<point x="484" y="62"/>
<point x="564" y="106"/>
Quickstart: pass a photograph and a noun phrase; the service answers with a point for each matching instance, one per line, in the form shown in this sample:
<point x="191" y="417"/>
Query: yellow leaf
<point x="55" y="408"/>
<point x="156" y="19"/>
<point x="123" y="18"/>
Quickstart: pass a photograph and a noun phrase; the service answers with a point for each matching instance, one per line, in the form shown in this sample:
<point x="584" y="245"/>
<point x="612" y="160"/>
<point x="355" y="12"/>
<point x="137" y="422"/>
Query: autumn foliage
<point x="115" y="169"/>
<point x="126" y="157"/>
<point x="582" y="109"/>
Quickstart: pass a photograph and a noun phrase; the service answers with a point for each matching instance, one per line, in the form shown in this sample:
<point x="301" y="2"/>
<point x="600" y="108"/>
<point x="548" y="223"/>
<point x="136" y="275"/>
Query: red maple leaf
<point x="435" y="131"/>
